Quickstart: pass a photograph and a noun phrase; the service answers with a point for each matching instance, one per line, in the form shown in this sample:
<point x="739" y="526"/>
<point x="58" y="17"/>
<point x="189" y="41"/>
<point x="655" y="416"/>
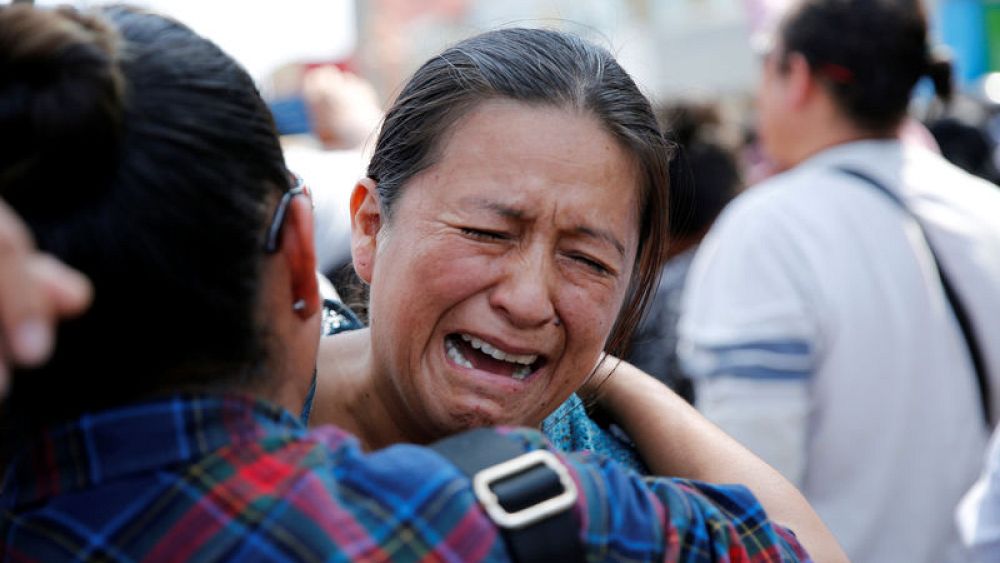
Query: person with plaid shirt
<point x="162" y="425"/>
<point x="203" y="477"/>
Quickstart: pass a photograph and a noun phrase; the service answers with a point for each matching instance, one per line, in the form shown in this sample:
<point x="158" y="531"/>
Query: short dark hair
<point x="540" y="67"/>
<point x="869" y="53"/>
<point x="142" y="155"/>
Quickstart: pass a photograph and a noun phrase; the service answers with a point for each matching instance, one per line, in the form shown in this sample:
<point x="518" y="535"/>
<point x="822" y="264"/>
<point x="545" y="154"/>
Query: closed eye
<point x="483" y="235"/>
<point x="594" y="265"/>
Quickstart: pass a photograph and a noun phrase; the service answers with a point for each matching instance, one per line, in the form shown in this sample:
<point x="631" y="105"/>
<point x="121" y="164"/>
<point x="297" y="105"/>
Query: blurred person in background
<point x="343" y="108"/>
<point x="140" y="154"/>
<point x="816" y="323"/>
<point x="326" y="116"/>
<point x="704" y="177"/>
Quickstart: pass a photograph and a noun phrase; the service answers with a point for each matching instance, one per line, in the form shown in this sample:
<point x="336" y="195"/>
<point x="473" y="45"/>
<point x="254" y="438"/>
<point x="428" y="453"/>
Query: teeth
<point x="455" y="355"/>
<point x="484" y="347"/>
<point x="521" y="372"/>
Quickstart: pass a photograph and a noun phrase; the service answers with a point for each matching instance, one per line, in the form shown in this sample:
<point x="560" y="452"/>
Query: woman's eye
<point x="483" y="235"/>
<point x="594" y="265"/>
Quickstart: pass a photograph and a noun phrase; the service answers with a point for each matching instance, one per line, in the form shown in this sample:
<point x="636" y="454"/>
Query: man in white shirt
<point x="815" y="322"/>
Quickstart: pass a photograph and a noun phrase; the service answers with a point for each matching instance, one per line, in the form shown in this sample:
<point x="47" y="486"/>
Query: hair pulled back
<point x="142" y="155"/>
<point x="869" y="53"/>
<point x="538" y="67"/>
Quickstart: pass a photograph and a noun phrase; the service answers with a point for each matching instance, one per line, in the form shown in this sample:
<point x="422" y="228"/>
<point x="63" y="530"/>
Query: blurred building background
<point x="685" y="48"/>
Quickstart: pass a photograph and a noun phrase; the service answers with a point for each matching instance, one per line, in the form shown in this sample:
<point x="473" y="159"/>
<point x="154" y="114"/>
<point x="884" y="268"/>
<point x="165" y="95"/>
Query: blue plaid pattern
<point x="209" y="478"/>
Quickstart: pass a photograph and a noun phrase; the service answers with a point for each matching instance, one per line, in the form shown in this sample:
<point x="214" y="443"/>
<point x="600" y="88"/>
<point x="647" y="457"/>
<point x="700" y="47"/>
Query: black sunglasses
<point x="274" y="230"/>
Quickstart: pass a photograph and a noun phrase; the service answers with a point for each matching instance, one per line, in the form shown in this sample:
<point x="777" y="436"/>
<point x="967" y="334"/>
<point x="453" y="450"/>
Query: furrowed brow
<point x="505" y="211"/>
<point x="519" y="214"/>
<point x="600" y="234"/>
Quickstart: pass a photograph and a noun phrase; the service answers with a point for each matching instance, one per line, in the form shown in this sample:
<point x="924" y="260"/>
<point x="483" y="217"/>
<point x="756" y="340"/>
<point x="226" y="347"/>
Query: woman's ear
<point x="366" y="222"/>
<point x="298" y="248"/>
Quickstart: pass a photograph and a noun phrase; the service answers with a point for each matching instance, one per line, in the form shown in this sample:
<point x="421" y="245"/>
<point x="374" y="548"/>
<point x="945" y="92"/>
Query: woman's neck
<point x="348" y="393"/>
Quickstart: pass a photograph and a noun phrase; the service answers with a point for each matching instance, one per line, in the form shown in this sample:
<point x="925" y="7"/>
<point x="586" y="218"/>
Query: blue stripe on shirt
<point x="785" y="359"/>
<point x="790" y="347"/>
<point x="759" y="372"/>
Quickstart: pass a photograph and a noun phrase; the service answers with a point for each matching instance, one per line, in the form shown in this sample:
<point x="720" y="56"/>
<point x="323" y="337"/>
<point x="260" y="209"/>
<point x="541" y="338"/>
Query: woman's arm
<point x="675" y="440"/>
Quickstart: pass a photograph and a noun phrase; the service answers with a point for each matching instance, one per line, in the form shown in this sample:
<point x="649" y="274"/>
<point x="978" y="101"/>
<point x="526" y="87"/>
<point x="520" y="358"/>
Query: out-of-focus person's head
<point x="343" y="107"/>
<point x="142" y="155"/>
<point x="520" y="183"/>
<point x="704" y="174"/>
<point x="864" y="56"/>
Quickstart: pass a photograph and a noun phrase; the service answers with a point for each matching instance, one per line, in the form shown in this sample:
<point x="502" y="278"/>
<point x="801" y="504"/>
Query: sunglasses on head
<point x="274" y="229"/>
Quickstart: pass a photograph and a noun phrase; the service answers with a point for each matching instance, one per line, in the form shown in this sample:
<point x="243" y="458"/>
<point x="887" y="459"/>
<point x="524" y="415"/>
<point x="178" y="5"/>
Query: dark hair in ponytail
<point x="869" y="54"/>
<point x="939" y="70"/>
<point x="142" y="155"/>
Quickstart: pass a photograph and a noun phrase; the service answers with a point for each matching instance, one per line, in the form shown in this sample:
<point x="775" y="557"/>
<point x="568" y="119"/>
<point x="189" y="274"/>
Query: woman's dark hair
<point x="142" y="155"/>
<point x="538" y="67"/>
<point x="869" y="54"/>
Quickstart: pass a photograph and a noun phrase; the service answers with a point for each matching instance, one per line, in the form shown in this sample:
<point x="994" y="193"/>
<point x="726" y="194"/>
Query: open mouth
<point x="474" y="353"/>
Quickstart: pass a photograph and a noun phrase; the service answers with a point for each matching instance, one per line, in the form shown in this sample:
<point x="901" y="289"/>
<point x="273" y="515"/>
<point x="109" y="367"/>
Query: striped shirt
<point x="208" y="478"/>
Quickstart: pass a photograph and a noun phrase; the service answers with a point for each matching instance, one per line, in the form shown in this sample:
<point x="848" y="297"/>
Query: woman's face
<point x="498" y="280"/>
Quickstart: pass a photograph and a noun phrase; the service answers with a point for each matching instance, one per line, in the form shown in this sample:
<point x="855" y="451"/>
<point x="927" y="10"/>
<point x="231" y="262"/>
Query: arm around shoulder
<point x="675" y="440"/>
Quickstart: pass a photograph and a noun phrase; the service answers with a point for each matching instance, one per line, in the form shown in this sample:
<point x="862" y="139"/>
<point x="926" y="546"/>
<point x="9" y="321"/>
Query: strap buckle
<point x="486" y="478"/>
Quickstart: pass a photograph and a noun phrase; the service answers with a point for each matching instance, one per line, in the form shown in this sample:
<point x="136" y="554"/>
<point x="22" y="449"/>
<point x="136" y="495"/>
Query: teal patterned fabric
<point x="571" y="430"/>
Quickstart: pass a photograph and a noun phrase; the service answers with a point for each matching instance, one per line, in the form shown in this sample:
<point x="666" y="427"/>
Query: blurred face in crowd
<point x="498" y="279"/>
<point x="773" y="124"/>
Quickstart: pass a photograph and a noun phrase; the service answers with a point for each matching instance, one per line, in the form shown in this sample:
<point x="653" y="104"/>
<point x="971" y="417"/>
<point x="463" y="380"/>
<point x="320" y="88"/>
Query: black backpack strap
<point x="528" y="495"/>
<point x="954" y="299"/>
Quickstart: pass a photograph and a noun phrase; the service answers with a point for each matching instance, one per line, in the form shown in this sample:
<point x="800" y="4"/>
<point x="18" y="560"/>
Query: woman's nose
<point x="524" y="295"/>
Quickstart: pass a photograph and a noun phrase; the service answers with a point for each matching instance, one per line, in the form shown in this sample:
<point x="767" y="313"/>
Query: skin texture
<point x="529" y="215"/>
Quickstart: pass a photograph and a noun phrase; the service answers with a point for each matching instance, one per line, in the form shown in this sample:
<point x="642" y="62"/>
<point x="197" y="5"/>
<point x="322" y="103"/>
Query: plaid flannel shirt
<point x="226" y="478"/>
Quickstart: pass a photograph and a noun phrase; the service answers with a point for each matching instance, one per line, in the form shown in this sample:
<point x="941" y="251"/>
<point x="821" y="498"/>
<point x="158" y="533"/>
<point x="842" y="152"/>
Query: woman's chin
<point x="467" y="417"/>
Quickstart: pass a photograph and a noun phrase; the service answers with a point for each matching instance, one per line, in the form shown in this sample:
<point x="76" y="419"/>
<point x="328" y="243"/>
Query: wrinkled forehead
<point x="507" y="148"/>
<point x="475" y="138"/>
